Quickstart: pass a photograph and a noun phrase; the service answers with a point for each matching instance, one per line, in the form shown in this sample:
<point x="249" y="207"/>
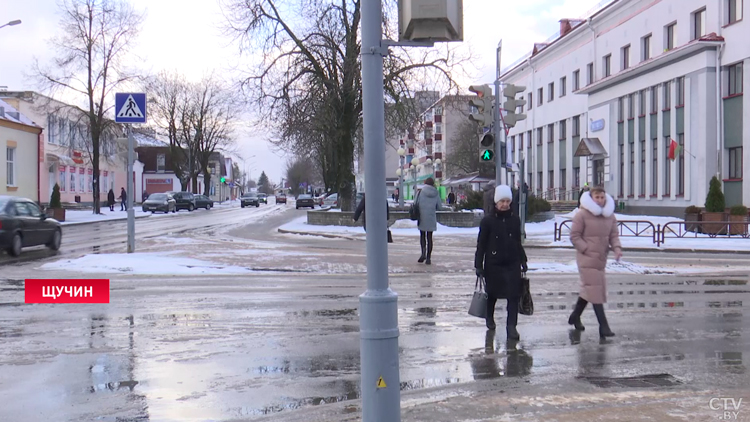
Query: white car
<point x="331" y="200"/>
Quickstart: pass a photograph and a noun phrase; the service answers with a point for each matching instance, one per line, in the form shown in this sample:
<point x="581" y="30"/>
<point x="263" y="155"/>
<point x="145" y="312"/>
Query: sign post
<point x="130" y="108"/>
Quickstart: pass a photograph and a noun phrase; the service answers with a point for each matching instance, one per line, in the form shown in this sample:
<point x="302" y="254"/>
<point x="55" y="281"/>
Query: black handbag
<point x="478" y="307"/>
<point x="414" y="209"/>
<point x="390" y="236"/>
<point x="526" y="305"/>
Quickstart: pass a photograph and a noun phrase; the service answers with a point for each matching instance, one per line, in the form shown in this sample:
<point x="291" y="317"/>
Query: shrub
<point x="715" y="198"/>
<point x="537" y="205"/>
<point x="474" y="201"/>
<point x="738" y="210"/>
<point x="692" y="210"/>
<point x="54" y="201"/>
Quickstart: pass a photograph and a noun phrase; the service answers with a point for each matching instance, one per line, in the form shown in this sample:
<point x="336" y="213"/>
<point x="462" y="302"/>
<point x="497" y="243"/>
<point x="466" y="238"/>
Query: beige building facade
<point x="19" y="141"/>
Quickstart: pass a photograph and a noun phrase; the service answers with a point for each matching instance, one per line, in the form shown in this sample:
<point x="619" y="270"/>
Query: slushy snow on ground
<point x="143" y="264"/>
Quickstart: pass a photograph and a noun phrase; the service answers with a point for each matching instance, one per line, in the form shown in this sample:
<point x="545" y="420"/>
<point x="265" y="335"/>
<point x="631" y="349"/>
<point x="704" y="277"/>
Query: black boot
<point x="429" y="248"/>
<point x="575" y="317"/>
<point x="604" y="330"/>
<point x="423" y="244"/>
<point x="510" y="326"/>
<point x="512" y="332"/>
<point x="490" y="318"/>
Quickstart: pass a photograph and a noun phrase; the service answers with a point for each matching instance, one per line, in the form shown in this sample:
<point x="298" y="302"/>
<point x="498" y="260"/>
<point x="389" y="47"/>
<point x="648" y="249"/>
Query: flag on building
<point x="675" y="150"/>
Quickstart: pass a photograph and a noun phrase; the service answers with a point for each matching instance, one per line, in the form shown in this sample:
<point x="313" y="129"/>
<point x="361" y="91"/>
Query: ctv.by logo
<point x="730" y="407"/>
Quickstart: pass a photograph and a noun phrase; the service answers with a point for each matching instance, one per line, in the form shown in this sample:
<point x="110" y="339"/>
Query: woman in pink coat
<point x="594" y="234"/>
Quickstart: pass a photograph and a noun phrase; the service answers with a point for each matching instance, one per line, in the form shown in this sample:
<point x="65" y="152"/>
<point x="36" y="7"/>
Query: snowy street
<point x="218" y="316"/>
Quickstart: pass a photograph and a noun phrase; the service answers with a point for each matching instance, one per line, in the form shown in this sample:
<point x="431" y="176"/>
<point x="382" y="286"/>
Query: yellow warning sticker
<point x="381" y="383"/>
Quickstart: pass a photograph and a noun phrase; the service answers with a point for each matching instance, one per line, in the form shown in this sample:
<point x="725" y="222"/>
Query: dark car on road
<point x="249" y="200"/>
<point x="23" y="224"/>
<point x="202" y="201"/>
<point x="263" y="198"/>
<point x="163" y="202"/>
<point x="185" y="200"/>
<point x="304" y="201"/>
<point x="281" y="198"/>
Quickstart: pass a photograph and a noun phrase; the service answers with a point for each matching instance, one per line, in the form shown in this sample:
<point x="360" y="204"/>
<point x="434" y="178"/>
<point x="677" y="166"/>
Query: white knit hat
<point x="503" y="192"/>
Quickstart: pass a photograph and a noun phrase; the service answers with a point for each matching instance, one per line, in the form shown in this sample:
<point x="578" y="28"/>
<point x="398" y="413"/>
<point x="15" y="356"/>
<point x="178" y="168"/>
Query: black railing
<point x="673" y="229"/>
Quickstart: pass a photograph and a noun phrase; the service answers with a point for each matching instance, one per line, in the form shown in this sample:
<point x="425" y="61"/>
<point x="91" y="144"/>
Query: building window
<point x="590" y="73"/>
<point x="62" y="131"/>
<point x="646" y="47"/>
<point x="655" y="168"/>
<point x="439" y="110"/>
<point x="576" y="126"/>
<point x="551" y="181"/>
<point x="576" y="177"/>
<point x="551" y="93"/>
<point x="530" y="101"/>
<point x="654" y="100"/>
<point x="621" y="178"/>
<point x="161" y="162"/>
<point x="563" y="86"/>
<point x="735" y="163"/>
<point x="576" y="80"/>
<point x="528" y="145"/>
<point x="550" y="133"/>
<point x="631" y="106"/>
<point x="438" y="128"/>
<point x="520" y="141"/>
<point x="681" y="165"/>
<point x="620" y="109"/>
<point x="642" y="103"/>
<point x="667" y="168"/>
<point x="631" y="187"/>
<point x="667" y="95"/>
<point x="52" y="129"/>
<point x="669" y="36"/>
<point x="735" y="79"/>
<point x="563" y="129"/>
<point x="539" y="181"/>
<point x="607" y="65"/>
<point x="734" y="11"/>
<point x="680" y="91"/>
<point x="512" y="144"/>
<point x="563" y="176"/>
<point x="699" y="24"/>
<point x="540" y="96"/>
<point x="539" y="135"/>
<point x="10" y="156"/>
<point x="643" y="167"/>
<point x="625" y="53"/>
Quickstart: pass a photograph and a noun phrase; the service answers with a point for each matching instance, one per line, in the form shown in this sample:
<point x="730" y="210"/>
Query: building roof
<point x="9" y="113"/>
<point x="149" y="140"/>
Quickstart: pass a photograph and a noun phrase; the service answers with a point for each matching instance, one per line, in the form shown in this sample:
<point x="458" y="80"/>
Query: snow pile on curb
<point x="143" y="264"/>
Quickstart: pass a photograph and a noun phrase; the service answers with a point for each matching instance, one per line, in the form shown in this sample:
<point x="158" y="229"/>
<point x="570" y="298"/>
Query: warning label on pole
<point x="381" y="383"/>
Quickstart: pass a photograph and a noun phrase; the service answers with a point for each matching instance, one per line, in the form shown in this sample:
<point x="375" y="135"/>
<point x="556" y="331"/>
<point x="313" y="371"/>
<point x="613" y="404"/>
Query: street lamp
<point x="12" y="23"/>
<point x="401" y="155"/>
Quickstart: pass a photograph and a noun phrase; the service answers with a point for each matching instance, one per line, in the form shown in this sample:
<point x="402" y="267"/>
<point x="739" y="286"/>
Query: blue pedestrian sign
<point x="130" y="107"/>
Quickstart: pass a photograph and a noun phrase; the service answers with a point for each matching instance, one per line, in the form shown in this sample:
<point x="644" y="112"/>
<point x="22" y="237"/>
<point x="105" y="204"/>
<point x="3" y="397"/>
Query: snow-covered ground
<point x="143" y="263"/>
<point x="87" y="216"/>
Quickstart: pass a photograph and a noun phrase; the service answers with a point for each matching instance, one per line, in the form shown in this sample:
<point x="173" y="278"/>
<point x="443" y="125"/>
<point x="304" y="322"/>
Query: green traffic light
<point x="487" y="155"/>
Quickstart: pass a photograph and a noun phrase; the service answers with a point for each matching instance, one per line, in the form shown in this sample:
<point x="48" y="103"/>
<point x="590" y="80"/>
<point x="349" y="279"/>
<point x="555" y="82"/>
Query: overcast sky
<point x="185" y="35"/>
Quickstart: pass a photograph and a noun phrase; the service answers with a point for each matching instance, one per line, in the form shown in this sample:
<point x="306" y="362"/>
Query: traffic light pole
<point x="498" y="131"/>
<point x="378" y="307"/>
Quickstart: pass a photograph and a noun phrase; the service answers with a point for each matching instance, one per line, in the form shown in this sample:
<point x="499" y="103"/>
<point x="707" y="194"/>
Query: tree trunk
<point x="206" y="183"/>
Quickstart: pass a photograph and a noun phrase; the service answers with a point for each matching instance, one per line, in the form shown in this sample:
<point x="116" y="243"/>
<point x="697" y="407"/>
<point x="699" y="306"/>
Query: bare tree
<point x="95" y="37"/>
<point x="308" y="80"/>
<point x="463" y="157"/>
<point x="301" y="171"/>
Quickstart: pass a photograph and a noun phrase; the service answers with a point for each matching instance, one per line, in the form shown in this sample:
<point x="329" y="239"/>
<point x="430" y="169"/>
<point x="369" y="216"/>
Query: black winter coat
<point x="500" y="254"/>
<point x="360" y="211"/>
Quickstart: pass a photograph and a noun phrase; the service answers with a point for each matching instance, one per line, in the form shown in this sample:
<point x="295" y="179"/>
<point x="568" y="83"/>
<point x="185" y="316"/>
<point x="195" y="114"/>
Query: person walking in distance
<point x="488" y="198"/>
<point x="594" y="234"/>
<point x="123" y="199"/>
<point x="501" y="259"/>
<point x="428" y="201"/>
<point x="111" y="200"/>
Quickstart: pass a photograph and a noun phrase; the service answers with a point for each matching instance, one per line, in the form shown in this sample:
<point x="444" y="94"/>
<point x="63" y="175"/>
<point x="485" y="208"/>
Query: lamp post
<point x="401" y="154"/>
<point x="12" y="23"/>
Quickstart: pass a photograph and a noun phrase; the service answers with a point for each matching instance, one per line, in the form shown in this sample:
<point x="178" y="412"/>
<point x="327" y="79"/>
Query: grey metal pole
<point x="381" y="397"/>
<point x="401" y="184"/>
<point x="497" y="126"/>
<point x="131" y="191"/>
<point x="522" y="198"/>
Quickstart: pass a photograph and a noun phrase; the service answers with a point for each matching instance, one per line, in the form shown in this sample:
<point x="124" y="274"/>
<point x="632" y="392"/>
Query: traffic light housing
<point x="511" y="104"/>
<point x="483" y="116"/>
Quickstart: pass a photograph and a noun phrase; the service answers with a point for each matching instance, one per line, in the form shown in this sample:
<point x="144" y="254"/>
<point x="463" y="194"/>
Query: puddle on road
<point x="641" y="381"/>
<point x="329" y="313"/>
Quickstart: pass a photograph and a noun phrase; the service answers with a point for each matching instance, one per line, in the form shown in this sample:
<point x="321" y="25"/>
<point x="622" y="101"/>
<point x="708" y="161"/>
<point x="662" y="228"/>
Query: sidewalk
<point x="78" y="217"/>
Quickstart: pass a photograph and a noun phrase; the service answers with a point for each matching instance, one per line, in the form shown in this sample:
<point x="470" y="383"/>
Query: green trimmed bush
<point x="54" y="201"/>
<point x="474" y="201"/>
<point x="738" y="210"/>
<point x="692" y="210"/>
<point x="715" y="198"/>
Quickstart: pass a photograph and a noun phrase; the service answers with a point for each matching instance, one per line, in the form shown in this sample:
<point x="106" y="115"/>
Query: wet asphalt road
<point x="284" y="345"/>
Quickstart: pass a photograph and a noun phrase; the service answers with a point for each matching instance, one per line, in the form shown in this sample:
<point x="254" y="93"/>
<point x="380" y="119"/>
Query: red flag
<point x="673" y="146"/>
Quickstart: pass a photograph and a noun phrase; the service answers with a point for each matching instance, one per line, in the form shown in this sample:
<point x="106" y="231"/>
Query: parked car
<point x="304" y="201"/>
<point x="263" y="198"/>
<point x="281" y="198"/>
<point x="202" y="201"/>
<point x="185" y="200"/>
<point x="249" y="200"/>
<point x="331" y="200"/>
<point x="163" y="202"/>
<point x="23" y="224"/>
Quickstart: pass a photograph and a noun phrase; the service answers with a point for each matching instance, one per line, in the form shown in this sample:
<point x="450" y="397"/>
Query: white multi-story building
<point x="609" y="95"/>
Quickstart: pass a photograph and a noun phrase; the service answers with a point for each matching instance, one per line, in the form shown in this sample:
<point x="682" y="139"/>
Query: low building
<point x="20" y="140"/>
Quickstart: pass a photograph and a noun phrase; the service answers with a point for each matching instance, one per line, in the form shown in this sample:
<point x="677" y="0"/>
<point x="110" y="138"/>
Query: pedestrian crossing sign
<point x="130" y="107"/>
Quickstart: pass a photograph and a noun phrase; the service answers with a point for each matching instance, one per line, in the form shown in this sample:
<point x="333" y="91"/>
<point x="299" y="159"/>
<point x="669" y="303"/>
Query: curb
<point x="325" y="235"/>
<point x="80" y="223"/>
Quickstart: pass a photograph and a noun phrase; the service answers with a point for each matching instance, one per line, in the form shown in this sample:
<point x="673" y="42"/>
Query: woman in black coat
<point x="501" y="259"/>
<point x="111" y="200"/>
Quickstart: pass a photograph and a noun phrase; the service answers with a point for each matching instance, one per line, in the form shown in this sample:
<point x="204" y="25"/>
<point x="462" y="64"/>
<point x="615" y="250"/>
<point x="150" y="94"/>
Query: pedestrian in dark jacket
<point x="360" y="212"/>
<point x="111" y="200"/>
<point x="428" y="201"/>
<point x="124" y="199"/>
<point x="489" y="198"/>
<point x="501" y="259"/>
<point x="584" y="189"/>
<point x="451" y="198"/>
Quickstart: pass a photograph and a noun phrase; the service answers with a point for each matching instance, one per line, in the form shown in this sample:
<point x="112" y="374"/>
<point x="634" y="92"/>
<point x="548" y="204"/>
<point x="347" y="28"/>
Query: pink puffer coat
<point x="594" y="234"/>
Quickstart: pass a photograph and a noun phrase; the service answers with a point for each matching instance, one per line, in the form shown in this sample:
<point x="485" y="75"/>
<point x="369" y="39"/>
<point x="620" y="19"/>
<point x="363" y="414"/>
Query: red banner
<point x="67" y="291"/>
<point x="61" y="169"/>
<point x="81" y="170"/>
